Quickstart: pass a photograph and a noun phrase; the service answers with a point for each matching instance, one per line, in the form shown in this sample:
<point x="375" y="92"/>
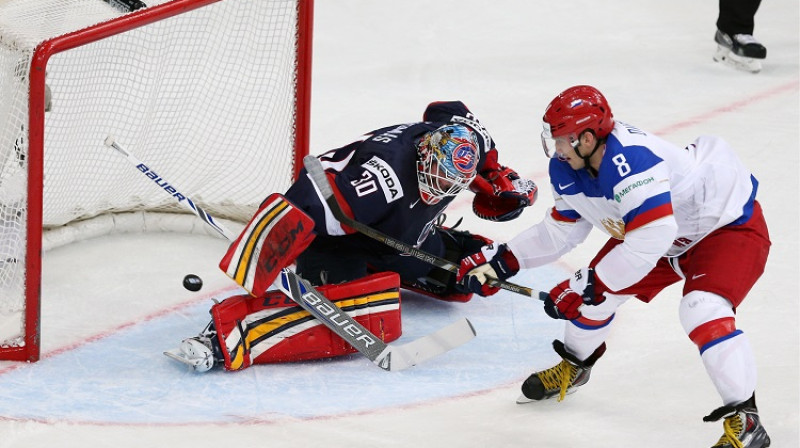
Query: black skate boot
<point x="742" y="51"/>
<point x="742" y="426"/>
<point x="562" y="379"/>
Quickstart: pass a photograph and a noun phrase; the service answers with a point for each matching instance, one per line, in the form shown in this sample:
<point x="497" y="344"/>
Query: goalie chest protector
<point x="272" y="328"/>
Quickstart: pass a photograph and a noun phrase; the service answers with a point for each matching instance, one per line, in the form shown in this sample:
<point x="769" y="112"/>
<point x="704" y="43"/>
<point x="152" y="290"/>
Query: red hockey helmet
<point x="573" y="111"/>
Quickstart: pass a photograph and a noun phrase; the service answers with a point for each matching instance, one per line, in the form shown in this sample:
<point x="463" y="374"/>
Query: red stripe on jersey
<point x="712" y="330"/>
<point x="341" y="200"/>
<point x="649" y="216"/>
<point x="559" y="217"/>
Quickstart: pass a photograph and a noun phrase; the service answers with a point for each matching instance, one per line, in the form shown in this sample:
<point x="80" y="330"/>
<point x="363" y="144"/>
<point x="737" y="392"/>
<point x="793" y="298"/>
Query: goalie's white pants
<point x="729" y="359"/>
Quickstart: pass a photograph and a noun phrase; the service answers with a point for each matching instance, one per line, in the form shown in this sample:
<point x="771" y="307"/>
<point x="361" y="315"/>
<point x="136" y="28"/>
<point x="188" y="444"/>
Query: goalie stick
<point x="317" y="173"/>
<point x="170" y="189"/>
<point x="391" y="357"/>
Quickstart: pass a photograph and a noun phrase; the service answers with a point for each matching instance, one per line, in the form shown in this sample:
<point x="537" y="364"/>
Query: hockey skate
<point x="199" y="351"/>
<point x="561" y="380"/>
<point x="742" y="426"/>
<point x="742" y="51"/>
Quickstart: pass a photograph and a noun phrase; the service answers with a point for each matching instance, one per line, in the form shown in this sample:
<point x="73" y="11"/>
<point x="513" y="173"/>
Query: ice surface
<point x="112" y="305"/>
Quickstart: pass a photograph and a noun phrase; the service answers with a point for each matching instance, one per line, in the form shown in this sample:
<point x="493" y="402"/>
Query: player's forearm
<point x="547" y="241"/>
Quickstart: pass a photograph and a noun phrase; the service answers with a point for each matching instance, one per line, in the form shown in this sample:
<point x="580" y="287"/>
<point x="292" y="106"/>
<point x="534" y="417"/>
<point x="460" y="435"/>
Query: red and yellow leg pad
<point x="272" y="328"/>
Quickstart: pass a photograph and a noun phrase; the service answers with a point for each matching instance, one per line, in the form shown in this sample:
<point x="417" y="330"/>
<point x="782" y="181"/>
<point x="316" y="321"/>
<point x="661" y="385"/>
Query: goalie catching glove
<point x="493" y="261"/>
<point x="500" y="193"/>
<point x="583" y="288"/>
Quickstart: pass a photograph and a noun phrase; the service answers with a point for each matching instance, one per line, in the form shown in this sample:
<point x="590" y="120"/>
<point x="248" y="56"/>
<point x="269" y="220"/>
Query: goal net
<point x="211" y="94"/>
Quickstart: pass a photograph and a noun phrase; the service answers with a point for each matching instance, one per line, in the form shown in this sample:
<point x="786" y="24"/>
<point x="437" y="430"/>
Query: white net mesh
<point x="205" y="98"/>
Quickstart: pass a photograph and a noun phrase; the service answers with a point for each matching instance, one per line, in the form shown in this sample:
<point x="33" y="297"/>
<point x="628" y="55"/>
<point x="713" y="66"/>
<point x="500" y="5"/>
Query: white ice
<point x="112" y="305"/>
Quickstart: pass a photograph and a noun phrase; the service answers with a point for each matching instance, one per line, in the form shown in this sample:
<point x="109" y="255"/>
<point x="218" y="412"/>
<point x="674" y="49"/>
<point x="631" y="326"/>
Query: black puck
<point x="192" y="282"/>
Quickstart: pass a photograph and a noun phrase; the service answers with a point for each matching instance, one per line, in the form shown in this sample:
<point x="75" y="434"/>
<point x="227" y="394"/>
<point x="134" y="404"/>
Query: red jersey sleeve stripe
<point x="649" y="216"/>
<point x="558" y="216"/>
<point x="341" y="200"/>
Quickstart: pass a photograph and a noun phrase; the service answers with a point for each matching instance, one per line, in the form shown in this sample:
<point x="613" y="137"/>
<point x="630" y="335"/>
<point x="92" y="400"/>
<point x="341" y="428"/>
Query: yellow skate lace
<point x="733" y="427"/>
<point x="558" y="377"/>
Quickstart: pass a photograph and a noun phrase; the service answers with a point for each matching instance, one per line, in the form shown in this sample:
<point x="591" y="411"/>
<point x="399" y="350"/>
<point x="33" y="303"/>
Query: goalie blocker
<point x="442" y="284"/>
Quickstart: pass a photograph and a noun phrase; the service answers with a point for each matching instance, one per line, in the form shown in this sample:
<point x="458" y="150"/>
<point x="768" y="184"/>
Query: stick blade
<point x="400" y="357"/>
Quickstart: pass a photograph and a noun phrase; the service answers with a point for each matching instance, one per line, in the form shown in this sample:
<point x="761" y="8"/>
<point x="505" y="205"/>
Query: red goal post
<point x="214" y="93"/>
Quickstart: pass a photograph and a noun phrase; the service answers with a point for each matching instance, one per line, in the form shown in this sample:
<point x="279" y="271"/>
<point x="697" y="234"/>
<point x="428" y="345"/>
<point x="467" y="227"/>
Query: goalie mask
<point x="447" y="160"/>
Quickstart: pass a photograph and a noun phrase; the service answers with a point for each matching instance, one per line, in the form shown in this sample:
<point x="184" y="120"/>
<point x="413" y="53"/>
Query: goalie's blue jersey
<point x="375" y="178"/>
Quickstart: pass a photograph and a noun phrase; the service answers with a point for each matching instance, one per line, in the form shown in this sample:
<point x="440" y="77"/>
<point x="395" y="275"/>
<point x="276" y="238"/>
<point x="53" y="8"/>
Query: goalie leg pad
<point x="272" y="240"/>
<point x="272" y="328"/>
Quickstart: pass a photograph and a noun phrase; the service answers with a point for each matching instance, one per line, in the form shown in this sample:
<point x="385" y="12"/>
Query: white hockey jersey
<point x="658" y="198"/>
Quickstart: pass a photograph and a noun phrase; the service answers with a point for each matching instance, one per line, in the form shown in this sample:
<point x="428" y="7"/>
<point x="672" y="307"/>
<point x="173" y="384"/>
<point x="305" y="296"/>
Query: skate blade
<point x="178" y="355"/>
<point x="721" y="54"/>
<point x="522" y="399"/>
<point x="725" y="56"/>
<point x="747" y="64"/>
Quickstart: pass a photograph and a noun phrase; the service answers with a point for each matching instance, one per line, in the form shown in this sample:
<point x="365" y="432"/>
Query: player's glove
<point x="583" y="288"/>
<point x="500" y="193"/>
<point x="493" y="261"/>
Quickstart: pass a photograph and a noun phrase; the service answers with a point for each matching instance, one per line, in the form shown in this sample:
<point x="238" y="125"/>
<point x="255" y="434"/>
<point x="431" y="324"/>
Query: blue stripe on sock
<point x="592" y="326"/>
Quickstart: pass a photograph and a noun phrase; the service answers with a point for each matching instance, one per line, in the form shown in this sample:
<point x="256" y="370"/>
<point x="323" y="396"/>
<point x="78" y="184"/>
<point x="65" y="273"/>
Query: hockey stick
<point x="317" y="173"/>
<point x="386" y="356"/>
<point x="390" y="357"/>
<point x="182" y="199"/>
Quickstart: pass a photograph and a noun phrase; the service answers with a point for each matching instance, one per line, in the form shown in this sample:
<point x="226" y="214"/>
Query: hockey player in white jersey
<point x="673" y="214"/>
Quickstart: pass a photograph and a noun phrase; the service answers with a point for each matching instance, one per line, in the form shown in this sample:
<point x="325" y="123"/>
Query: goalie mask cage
<point x="211" y="94"/>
